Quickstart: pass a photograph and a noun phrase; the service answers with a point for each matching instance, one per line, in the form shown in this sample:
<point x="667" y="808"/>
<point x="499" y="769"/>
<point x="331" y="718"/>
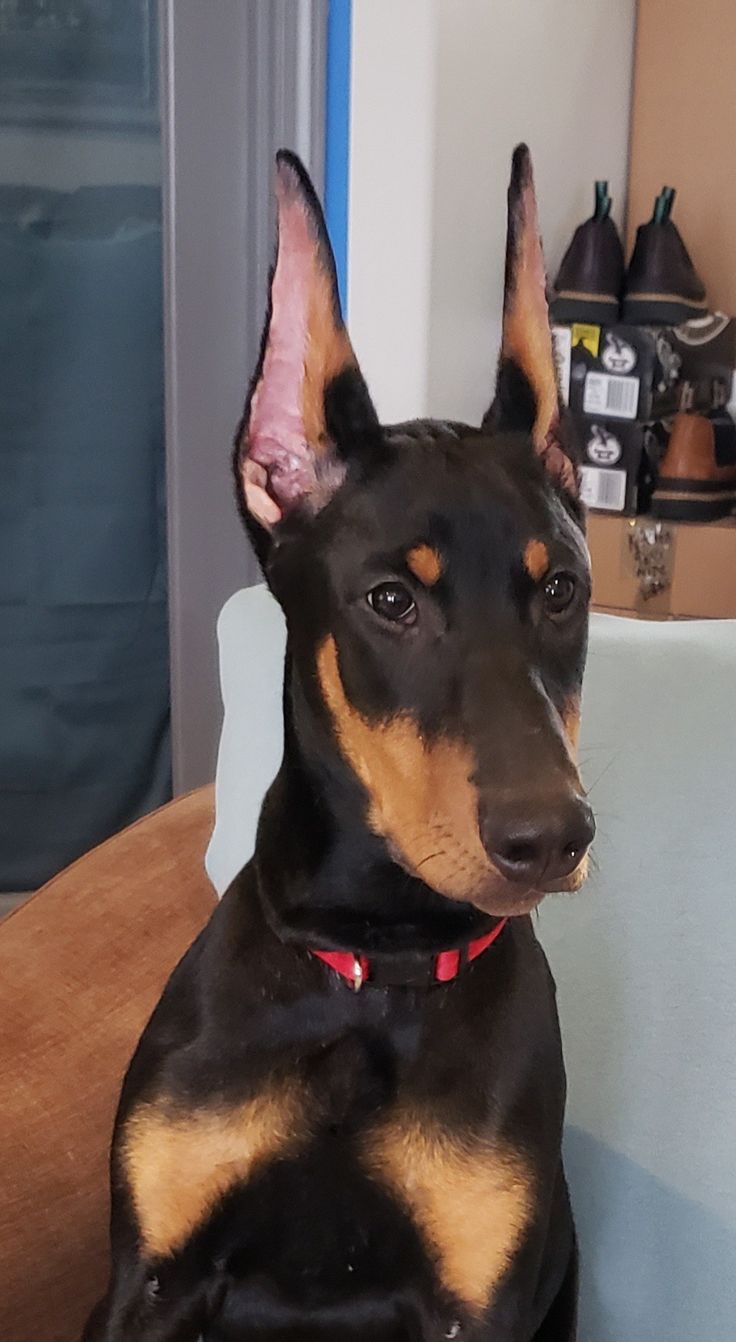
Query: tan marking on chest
<point x="425" y="563"/>
<point x="472" y="1201"/>
<point x="536" y="560"/>
<point x="178" y="1165"/>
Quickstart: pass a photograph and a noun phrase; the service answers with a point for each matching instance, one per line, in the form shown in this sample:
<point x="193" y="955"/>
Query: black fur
<point x="313" y="1245"/>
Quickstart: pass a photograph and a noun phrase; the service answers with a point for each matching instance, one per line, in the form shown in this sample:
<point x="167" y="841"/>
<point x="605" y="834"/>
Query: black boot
<point x="588" y="286"/>
<point x="662" y="284"/>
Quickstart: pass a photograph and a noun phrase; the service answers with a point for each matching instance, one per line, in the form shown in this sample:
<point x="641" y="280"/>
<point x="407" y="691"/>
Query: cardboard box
<point x="696" y="563"/>
<point x="618" y="459"/>
<point x="646" y="373"/>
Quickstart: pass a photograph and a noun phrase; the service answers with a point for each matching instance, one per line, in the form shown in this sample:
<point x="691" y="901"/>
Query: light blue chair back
<point x="644" y="957"/>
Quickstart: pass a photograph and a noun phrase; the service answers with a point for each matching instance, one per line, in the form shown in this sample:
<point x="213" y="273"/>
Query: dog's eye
<point x="559" y="593"/>
<point x="392" y="601"/>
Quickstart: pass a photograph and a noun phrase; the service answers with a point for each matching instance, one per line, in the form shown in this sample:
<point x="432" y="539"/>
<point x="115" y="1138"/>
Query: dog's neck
<point x="324" y="877"/>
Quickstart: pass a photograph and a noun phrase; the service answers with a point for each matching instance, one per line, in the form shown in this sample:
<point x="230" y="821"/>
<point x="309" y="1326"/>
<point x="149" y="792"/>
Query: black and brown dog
<point x="344" y="1118"/>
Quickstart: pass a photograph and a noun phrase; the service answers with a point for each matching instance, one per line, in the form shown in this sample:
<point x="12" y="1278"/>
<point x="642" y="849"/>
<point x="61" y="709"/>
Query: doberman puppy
<point x="344" y="1118"/>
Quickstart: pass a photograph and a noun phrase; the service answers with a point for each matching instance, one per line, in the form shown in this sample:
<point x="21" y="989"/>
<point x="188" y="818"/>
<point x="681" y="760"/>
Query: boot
<point x="662" y="285"/>
<point x="697" y="475"/>
<point x="590" y="280"/>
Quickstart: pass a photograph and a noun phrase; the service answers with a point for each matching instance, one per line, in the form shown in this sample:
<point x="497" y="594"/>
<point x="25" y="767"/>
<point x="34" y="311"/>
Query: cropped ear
<point x="527" y="391"/>
<point x="308" y="405"/>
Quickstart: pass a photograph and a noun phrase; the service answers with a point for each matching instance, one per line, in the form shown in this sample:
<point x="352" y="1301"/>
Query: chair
<point x="643" y="960"/>
<point x="82" y="965"/>
<point x="643" y="957"/>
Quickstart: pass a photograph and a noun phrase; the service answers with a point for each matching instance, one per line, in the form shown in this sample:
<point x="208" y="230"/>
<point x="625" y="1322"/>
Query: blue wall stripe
<point x="337" y="145"/>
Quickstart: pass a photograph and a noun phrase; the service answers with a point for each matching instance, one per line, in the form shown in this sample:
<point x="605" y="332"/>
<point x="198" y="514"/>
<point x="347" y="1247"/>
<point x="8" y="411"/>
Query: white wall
<point x="390" y="208"/>
<point x="442" y="91"/>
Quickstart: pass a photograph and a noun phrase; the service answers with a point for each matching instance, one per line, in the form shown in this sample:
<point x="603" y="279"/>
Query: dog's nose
<point x="538" y="847"/>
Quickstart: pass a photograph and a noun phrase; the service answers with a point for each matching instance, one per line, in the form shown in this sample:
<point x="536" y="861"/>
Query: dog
<point x="344" y="1118"/>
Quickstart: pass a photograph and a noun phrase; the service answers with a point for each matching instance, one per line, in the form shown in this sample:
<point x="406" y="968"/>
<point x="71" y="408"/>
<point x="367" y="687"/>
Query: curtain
<point x="84" y="660"/>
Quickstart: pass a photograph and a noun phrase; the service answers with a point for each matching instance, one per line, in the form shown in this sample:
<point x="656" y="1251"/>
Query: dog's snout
<point x="536" y="846"/>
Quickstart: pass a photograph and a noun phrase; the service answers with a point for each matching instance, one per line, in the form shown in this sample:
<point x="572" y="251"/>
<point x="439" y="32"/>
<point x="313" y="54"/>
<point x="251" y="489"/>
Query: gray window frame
<point x="239" y="79"/>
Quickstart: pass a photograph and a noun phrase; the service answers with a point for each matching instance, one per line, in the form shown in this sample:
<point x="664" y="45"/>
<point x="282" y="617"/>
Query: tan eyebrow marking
<point x="425" y="563"/>
<point x="536" y="560"/>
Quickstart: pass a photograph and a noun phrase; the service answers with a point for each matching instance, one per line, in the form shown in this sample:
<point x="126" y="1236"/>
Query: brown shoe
<point x="662" y="284"/>
<point x="590" y="279"/>
<point x="697" y="474"/>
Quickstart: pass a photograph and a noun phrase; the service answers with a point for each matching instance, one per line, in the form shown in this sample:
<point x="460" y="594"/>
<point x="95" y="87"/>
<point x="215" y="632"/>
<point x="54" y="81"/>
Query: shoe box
<point x="663" y="570"/>
<point x="644" y="373"/>
<point x="618" y="464"/>
<point x="622" y="381"/>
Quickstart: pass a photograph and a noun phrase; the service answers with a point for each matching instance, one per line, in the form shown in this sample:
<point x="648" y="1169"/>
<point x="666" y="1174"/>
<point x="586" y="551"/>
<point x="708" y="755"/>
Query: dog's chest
<point x="470" y="1199"/>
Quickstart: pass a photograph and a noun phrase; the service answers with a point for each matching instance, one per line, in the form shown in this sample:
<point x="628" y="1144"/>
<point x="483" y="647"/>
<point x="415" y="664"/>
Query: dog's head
<point x="435" y="577"/>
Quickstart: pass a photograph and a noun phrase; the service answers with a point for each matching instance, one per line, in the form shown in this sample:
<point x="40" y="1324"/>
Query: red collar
<point x="358" y="969"/>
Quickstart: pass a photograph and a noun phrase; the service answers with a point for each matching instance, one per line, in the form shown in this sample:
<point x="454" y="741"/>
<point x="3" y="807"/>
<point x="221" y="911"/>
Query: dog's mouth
<point x="462" y="871"/>
<point x="494" y="894"/>
<point x="503" y="898"/>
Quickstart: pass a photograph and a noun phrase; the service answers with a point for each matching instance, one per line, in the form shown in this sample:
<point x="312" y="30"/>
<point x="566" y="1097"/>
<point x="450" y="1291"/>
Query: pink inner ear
<point x="532" y="294"/>
<point x="558" y="463"/>
<point x="531" y="258"/>
<point x="276" y="435"/>
<point x="527" y="338"/>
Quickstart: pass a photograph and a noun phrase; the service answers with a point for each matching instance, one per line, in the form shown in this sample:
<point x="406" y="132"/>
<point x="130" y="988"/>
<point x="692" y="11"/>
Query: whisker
<point x="603" y="772"/>
<point x="429" y="858"/>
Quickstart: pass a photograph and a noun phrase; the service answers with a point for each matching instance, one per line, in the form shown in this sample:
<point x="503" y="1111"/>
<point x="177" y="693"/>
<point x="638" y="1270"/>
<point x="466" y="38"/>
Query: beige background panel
<point x="684" y="131"/>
